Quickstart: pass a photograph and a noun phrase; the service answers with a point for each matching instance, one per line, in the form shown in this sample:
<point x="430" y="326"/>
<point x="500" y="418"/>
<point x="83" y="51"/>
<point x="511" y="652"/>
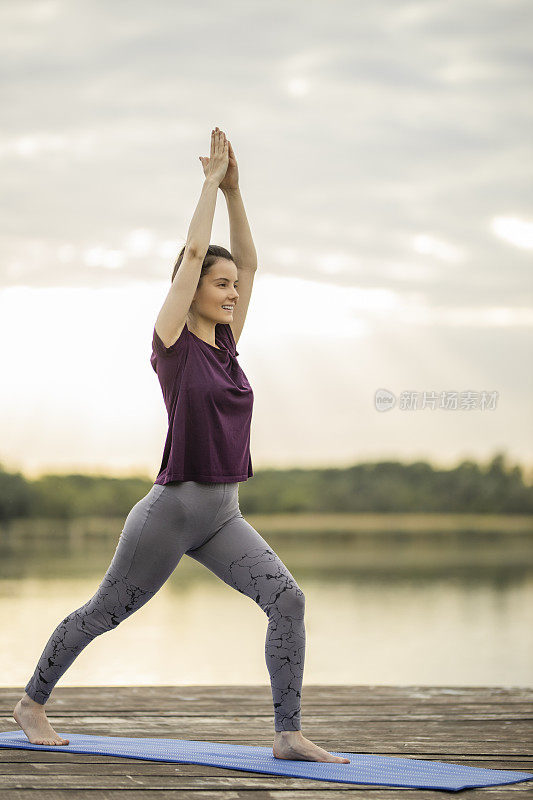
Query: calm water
<point x="449" y="611"/>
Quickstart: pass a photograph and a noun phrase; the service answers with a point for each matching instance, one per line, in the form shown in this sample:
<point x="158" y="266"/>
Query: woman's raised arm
<point x="171" y="318"/>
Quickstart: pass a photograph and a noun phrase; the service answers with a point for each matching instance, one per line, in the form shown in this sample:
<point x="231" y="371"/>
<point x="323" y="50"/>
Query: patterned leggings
<point x="202" y="520"/>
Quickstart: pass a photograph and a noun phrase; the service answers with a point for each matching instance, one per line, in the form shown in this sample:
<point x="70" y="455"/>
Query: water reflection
<point x="450" y="610"/>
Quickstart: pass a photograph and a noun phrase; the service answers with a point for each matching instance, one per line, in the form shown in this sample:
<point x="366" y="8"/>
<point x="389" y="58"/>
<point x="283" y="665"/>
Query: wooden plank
<point x="432" y="742"/>
<point x="333" y="793"/>
<point x="46" y="762"/>
<point x="370" y="695"/>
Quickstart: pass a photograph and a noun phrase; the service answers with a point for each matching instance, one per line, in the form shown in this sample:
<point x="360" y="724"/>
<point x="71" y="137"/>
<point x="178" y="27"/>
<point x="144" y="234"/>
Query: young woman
<point x="193" y="506"/>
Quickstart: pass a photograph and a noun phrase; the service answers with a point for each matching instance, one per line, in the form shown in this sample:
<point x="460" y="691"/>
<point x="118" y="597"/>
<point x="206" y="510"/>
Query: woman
<point x="193" y="506"/>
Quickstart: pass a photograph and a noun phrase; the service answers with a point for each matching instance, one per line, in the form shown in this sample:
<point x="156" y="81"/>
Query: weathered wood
<point x="291" y="794"/>
<point x="477" y="726"/>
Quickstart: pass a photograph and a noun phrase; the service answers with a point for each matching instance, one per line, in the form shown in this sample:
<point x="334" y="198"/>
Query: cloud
<point x="381" y="150"/>
<point x="517" y="232"/>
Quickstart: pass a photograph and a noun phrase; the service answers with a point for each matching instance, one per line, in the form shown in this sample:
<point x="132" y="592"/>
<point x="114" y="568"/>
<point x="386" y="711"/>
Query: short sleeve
<point x="225" y="335"/>
<point x="159" y="348"/>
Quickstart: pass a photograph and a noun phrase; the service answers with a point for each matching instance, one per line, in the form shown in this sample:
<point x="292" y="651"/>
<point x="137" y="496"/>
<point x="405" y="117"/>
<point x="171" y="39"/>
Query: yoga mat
<point x="367" y="769"/>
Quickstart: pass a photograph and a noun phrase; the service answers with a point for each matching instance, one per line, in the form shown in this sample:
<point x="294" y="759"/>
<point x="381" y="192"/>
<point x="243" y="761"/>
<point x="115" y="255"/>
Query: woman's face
<point x="217" y="288"/>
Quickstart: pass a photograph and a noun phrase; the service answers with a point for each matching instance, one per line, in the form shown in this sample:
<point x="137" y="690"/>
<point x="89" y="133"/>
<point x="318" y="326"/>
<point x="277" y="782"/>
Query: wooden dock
<point x="478" y="727"/>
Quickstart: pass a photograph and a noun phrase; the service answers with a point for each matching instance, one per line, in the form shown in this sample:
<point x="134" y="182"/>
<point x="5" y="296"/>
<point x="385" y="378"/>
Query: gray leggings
<point x="202" y="520"/>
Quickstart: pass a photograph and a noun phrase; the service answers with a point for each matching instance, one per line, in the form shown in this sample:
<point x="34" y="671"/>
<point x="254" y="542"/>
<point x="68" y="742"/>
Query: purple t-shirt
<point x="209" y="404"/>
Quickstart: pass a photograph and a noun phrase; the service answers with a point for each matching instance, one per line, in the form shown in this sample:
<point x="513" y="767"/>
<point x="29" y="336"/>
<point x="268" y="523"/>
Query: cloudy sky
<point x="385" y="162"/>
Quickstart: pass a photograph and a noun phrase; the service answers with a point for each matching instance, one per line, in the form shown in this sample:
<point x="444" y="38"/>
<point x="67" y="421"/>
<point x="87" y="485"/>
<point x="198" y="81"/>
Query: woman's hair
<point x="214" y="252"/>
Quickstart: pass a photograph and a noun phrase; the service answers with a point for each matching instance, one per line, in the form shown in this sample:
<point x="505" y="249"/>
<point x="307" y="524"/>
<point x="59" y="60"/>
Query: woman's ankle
<point x="26" y="700"/>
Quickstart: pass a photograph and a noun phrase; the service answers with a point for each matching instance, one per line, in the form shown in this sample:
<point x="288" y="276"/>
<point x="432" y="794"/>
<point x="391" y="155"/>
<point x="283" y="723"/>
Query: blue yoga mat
<point x="366" y="769"/>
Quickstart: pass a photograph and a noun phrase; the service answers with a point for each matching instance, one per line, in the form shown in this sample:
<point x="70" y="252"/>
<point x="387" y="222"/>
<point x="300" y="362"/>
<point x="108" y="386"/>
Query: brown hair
<point x="214" y="252"/>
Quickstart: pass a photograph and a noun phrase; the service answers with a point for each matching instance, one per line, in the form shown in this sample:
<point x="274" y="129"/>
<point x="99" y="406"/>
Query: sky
<point x="385" y="162"/>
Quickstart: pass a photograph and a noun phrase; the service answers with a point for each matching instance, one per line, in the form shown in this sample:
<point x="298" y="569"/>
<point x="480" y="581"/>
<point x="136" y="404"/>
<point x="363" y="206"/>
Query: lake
<point x="438" y="600"/>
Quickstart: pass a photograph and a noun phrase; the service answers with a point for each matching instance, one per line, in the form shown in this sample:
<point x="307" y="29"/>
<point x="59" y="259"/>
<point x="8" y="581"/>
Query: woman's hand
<point x="231" y="179"/>
<point x="215" y="167"/>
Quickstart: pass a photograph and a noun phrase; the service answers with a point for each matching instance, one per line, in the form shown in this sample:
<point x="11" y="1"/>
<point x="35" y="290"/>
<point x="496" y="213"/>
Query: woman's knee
<point x="290" y="601"/>
<point x="93" y="619"/>
<point x="115" y="600"/>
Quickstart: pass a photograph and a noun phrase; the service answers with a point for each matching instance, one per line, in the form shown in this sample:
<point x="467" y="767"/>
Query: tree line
<point x="381" y="486"/>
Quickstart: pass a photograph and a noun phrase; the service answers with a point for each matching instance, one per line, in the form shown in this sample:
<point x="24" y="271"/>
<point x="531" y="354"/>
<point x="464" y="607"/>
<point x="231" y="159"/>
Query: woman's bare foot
<point x="32" y="718"/>
<point x="293" y="745"/>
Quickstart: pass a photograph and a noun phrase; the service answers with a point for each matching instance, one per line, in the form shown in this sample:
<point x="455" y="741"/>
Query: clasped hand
<point x="222" y="164"/>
